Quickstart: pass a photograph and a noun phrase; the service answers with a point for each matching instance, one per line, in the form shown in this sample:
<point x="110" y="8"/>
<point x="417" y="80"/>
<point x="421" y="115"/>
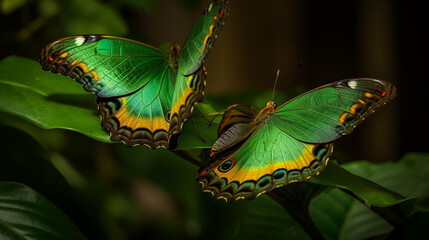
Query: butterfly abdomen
<point x="234" y="135"/>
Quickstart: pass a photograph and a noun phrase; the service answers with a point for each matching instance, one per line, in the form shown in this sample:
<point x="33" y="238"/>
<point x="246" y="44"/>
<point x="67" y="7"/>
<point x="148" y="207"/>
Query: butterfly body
<point x="144" y="95"/>
<point x="258" y="151"/>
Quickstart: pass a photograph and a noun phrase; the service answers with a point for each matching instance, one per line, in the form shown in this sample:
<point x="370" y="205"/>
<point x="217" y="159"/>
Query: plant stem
<point x="291" y="200"/>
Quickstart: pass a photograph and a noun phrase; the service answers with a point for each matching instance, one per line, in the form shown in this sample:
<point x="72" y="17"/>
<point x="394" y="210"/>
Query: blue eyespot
<point x="227" y="165"/>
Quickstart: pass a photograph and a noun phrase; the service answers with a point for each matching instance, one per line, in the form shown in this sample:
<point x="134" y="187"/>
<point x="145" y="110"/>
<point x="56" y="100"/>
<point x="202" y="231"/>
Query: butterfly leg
<point x="196" y="130"/>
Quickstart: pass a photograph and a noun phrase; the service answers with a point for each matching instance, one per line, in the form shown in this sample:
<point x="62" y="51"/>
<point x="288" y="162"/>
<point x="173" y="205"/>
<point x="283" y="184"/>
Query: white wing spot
<point x="79" y="41"/>
<point x="352" y="84"/>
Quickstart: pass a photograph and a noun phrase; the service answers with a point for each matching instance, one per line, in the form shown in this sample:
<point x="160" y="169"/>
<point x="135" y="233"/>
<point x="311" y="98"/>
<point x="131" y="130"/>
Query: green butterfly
<point x="258" y="151"/>
<point x="144" y="94"/>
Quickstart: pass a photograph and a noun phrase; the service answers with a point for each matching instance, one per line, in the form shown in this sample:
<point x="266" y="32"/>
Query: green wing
<point x="106" y="65"/>
<point x="268" y="159"/>
<point x="143" y="116"/>
<point x="333" y="110"/>
<point x="202" y="36"/>
<point x="190" y="80"/>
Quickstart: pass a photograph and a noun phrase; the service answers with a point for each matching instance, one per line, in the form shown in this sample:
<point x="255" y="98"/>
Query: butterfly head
<point x="266" y="111"/>
<point x="271" y="104"/>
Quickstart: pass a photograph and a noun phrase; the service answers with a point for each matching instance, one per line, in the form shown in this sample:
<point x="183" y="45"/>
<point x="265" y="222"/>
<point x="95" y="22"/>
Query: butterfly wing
<point x="106" y="65"/>
<point x="143" y="116"/>
<point x="133" y="82"/>
<point x="268" y="159"/>
<point x="190" y="80"/>
<point x="326" y="113"/>
<point x="202" y="36"/>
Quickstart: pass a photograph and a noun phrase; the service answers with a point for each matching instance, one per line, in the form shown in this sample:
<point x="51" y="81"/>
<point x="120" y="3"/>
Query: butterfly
<point x="144" y="95"/>
<point x="259" y="150"/>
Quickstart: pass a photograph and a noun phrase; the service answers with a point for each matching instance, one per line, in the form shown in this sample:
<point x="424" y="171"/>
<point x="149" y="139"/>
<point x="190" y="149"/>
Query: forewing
<point x="202" y="36"/>
<point x="328" y="112"/>
<point x="191" y="75"/>
<point x="106" y="65"/>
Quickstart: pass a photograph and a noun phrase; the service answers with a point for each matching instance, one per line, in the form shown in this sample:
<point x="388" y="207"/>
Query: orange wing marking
<point x="343" y="117"/>
<point x="368" y="95"/>
<point x="84" y="67"/>
<point x="207" y="37"/>
<point x="362" y="102"/>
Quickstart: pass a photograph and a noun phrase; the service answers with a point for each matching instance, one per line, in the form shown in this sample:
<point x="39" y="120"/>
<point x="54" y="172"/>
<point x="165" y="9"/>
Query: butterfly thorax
<point x="174" y="55"/>
<point x="239" y="130"/>
<point x="264" y="114"/>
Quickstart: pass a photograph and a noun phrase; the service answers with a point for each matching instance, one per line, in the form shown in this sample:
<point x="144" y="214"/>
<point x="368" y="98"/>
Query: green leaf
<point x="329" y="211"/>
<point x="25" y="161"/>
<point x="370" y="193"/>
<point x="390" y="205"/>
<point x="47" y="100"/>
<point x="25" y="214"/>
<point x="408" y="177"/>
<point x="265" y="219"/>
<point x="340" y="216"/>
<point x="54" y="101"/>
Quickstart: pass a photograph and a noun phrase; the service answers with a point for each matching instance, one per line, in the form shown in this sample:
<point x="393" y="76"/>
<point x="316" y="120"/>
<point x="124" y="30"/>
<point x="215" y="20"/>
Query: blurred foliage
<point x="20" y="205"/>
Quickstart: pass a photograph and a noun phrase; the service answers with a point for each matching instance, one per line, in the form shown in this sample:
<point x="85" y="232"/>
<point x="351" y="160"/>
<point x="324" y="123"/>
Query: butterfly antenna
<point x="275" y="83"/>
<point x="290" y="78"/>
